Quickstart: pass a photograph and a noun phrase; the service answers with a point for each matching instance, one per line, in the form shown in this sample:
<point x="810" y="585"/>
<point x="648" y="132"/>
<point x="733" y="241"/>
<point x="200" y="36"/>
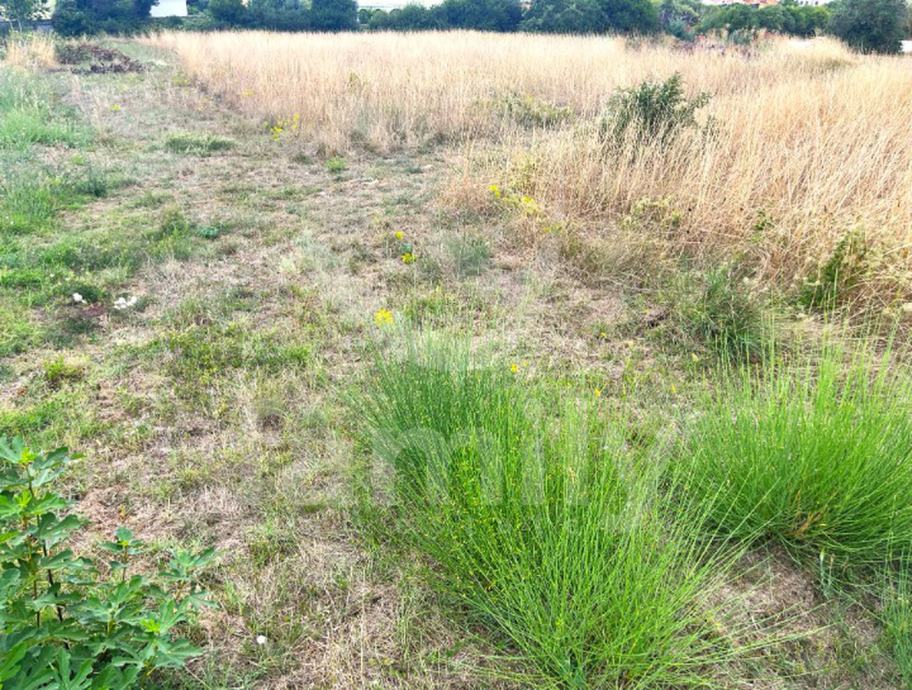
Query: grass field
<point x="482" y="361"/>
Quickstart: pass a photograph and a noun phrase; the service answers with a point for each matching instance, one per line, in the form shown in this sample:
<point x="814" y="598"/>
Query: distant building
<point x="169" y="8"/>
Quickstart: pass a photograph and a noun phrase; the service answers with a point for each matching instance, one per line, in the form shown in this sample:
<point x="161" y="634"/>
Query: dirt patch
<point x="88" y="58"/>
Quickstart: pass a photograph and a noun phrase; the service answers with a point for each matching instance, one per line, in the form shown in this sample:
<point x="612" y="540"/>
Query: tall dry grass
<point x="30" y="50"/>
<point x="811" y="146"/>
<point x="393" y="89"/>
<point x="797" y="170"/>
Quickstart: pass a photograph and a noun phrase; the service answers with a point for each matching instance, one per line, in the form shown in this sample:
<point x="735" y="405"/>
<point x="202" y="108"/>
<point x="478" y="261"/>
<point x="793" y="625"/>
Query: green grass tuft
<point x="818" y="458"/>
<point x="540" y="520"/>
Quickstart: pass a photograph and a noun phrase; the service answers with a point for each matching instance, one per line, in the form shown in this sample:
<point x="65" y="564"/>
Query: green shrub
<point x="834" y="279"/>
<point x="541" y="520"/>
<point x="871" y="26"/>
<point x="818" y="458"/>
<point x="174" y="223"/>
<point x="66" y="623"/>
<point x="336" y="165"/>
<point x="651" y="111"/>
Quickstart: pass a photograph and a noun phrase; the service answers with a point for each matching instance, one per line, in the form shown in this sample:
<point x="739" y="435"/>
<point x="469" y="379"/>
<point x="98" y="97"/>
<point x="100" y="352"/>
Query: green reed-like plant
<point x="544" y="523"/>
<point x="816" y="455"/>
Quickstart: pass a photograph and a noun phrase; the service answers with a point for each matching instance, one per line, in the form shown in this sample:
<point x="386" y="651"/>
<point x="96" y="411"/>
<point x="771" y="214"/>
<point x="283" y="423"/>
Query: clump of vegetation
<point x="336" y="165"/>
<point x="652" y="111"/>
<point x="896" y="617"/>
<point x="59" y="371"/>
<point x="724" y="316"/>
<point x="835" y="278"/>
<point x="67" y="622"/>
<point x="871" y="26"/>
<point x="529" y="111"/>
<point x="818" y="458"/>
<point x="28" y="115"/>
<point x="542" y="521"/>
<point x="470" y="255"/>
<point x="199" y="144"/>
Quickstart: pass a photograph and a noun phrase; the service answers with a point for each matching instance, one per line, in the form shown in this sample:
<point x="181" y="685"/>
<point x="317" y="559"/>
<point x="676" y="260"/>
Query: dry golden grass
<point x="795" y="168"/>
<point x="812" y="143"/>
<point x="30" y="50"/>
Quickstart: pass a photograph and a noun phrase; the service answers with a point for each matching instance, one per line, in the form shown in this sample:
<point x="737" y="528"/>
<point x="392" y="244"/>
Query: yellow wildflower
<point x="115" y="108"/>
<point x="514" y="368"/>
<point x="399" y="235"/>
<point x="383" y="317"/>
<point x="495" y="191"/>
<point x="598" y="392"/>
<point x="408" y="258"/>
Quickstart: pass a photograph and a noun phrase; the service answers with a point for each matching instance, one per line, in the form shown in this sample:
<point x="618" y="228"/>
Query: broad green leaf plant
<point x="66" y="622"/>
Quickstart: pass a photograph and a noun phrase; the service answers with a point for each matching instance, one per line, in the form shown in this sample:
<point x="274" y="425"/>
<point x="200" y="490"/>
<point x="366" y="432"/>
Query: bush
<point x="679" y="17"/>
<point x="817" y="458"/>
<point x="591" y="16"/>
<point x="788" y="17"/>
<point x="231" y="12"/>
<point x="334" y="15"/>
<point x="871" y="26"/>
<point x="540" y="519"/>
<point x="652" y="111"/>
<point x="64" y="622"/>
<point x="83" y="17"/>
<point x="278" y="15"/>
<point x="481" y="15"/>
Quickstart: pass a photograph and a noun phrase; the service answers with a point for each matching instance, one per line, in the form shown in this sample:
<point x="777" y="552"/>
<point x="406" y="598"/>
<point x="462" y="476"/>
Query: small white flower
<point x="261" y="640"/>
<point x="78" y="299"/>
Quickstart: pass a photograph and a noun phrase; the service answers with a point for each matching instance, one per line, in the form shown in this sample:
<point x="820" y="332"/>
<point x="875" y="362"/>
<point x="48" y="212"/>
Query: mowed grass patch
<point x="543" y="522"/>
<point x="816" y="455"/>
<point x="199" y="144"/>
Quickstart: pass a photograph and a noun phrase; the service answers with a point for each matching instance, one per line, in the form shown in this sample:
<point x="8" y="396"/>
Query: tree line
<point x="867" y="25"/>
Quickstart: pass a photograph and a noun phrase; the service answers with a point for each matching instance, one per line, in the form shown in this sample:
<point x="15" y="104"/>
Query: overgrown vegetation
<point x="613" y="464"/>
<point x="652" y="112"/>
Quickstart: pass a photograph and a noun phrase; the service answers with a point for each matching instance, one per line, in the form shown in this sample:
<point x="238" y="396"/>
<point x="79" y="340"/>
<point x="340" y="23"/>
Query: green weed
<point x="470" y="255"/>
<point x="529" y="111"/>
<point x="896" y="618"/>
<point x="336" y="165"/>
<point x="724" y="316"/>
<point x="65" y="623"/>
